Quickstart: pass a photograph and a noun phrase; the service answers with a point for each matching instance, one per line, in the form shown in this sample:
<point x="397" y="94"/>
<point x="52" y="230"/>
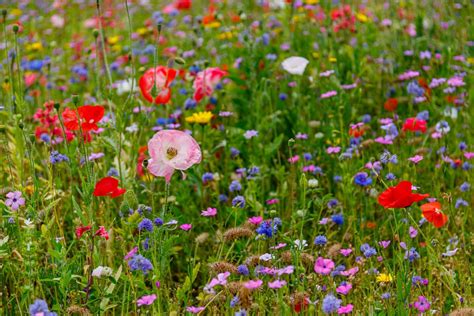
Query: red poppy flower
<point x="432" y="212"/>
<point x="81" y="230"/>
<point x="391" y="104"/>
<point x="155" y="82"/>
<point x="89" y="116"/>
<point x="108" y="186"/>
<point x="102" y="233"/>
<point x="415" y="125"/>
<point x="400" y="196"/>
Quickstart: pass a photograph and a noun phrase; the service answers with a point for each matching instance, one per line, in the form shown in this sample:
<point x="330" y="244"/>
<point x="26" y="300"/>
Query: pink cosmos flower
<point x="253" y="284"/>
<point x="170" y="150"/>
<point x="294" y="159"/>
<point x="210" y="212"/>
<point x="131" y="253"/>
<point x="323" y="266"/>
<point x="469" y="155"/>
<point x="206" y="81"/>
<point x="279" y="246"/>
<point x="286" y="270"/>
<point x="256" y="220"/>
<point x="186" y="227"/>
<point x="276" y="284"/>
<point x="350" y="272"/>
<point x="146" y="300"/>
<point x="344" y="288"/>
<point x="345" y="309"/>
<point x="328" y="94"/>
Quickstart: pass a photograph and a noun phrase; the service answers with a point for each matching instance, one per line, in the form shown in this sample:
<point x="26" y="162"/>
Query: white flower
<point x="300" y="244"/>
<point x="124" y="86"/>
<point x="266" y="257"/>
<point x="101" y="271"/>
<point x="313" y="183"/>
<point x="132" y="128"/>
<point x="295" y="65"/>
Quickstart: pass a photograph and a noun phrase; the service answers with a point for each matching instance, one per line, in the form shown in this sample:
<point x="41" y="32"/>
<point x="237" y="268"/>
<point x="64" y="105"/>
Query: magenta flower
<point x="186" y="227"/>
<point x="422" y="304"/>
<point x="256" y="220"/>
<point x="276" y="284"/>
<point x="286" y="270"/>
<point x="210" y="212"/>
<point x="416" y="159"/>
<point x="172" y="150"/>
<point x="220" y="280"/>
<point x="131" y="253"/>
<point x="323" y="266"/>
<point x="253" y="284"/>
<point x="333" y="150"/>
<point x="350" y="272"/>
<point x="14" y="200"/>
<point x="346" y="252"/>
<point x="344" y="288"/>
<point x="146" y="300"/>
<point x="345" y="309"/>
<point x="328" y="94"/>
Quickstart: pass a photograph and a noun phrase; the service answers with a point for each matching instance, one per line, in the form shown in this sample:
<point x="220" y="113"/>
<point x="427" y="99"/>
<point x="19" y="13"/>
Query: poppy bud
<point x="21" y="125"/>
<point x="179" y="60"/>
<point x="95" y="32"/>
<point x="56" y="106"/>
<point x="145" y="163"/>
<point x="4" y="13"/>
<point x="16" y="28"/>
<point x="158" y="27"/>
<point x="75" y="99"/>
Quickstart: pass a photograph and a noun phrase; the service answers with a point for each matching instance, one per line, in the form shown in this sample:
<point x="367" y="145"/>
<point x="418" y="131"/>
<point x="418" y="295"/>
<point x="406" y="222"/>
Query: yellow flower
<point x="312" y="1"/>
<point x="362" y="17"/>
<point x="34" y="46"/>
<point x="470" y="60"/>
<point x="113" y="40"/>
<point x="225" y="35"/>
<point x="332" y="59"/>
<point x="212" y="25"/>
<point x="16" y="12"/>
<point x="200" y="117"/>
<point x="384" y="278"/>
<point x="142" y="31"/>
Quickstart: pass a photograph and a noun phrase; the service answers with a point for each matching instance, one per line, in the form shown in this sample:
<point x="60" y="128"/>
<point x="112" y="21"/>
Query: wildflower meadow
<point x="236" y="157"/>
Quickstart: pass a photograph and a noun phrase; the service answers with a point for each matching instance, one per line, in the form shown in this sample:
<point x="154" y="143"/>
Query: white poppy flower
<point x="295" y="65"/>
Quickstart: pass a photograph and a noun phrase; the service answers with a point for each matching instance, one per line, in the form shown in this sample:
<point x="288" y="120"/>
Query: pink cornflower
<point x="416" y="159"/>
<point x="220" y="280"/>
<point x="276" y="284"/>
<point x="333" y="150"/>
<point x="186" y="227"/>
<point x="345" y="252"/>
<point x="253" y="284"/>
<point x="194" y="309"/>
<point x="422" y="304"/>
<point x="14" y="200"/>
<point x="323" y="266"/>
<point x="146" y="300"/>
<point x="293" y="159"/>
<point x="172" y="150"/>
<point x="209" y="212"/>
<point x="328" y="94"/>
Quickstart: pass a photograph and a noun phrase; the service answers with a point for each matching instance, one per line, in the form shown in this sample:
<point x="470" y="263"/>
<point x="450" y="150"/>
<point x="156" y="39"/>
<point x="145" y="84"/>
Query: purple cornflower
<point x="55" y="157"/>
<point x="235" y="186"/>
<point x="145" y="224"/>
<point x="138" y="262"/>
<point x="238" y="201"/>
<point x="422" y="304"/>
<point x="331" y="304"/>
<point x="320" y="240"/>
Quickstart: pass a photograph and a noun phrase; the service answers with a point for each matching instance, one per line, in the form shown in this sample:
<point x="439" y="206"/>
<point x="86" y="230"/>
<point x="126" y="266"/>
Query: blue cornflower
<point x="207" y="177"/>
<point x="235" y="186"/>
<point x="189" y="104"/>
<point x="239" y="201"/>
<point x="460" y="202"/>
<point x="462" y="146"/>
<point x="265" y="228"/>
<point x="362" y="179"/>
<point x="112" y="172"/>
<point x="337" y="178"/>
<point x="138" y="262"/>
<point x="307" y="156"/>
<point x="331" y="304"/>
<point x="252" y="172"/>
<point x="234" y="301"/>
<point x="145" y="224"/>
<point x="283" y="96"/>
<point x="223" y="198"/>
<point x="414" y="89"/>
<point x="234" y="152"/>
<point x="332" y="203"/>
<point x="338" y="219"/>
<point x="158" y="221"/>
<point x="465" y="187"/>
<point x="243" y="269"/>
<point x="55" y="157"/>
<point x="423" y="115"/>
<point x="337" y="270"/>
<point x="367" y="250"/>
<point x="38" y="306"/>
<point x="412" y="254"/>
<point x="320" y="240"/>
<point x="386" y="295"/>
<point x="366" y="118"/>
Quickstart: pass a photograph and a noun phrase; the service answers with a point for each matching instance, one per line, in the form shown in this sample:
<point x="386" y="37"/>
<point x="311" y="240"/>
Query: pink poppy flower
<point x="206" y="81"/>
<point x="210" y="212"/>
<point x="253" y="284"/>
<point x="186" y="227"/>
<point x="146" y="300"/>
<point x="172" y="150"/>
<point x="256" y="220"/>
<point x="345" y="309"/>
<point x="323" y="266"/>
<point x="276" y="284"/>
<point x="102" y="233"/>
